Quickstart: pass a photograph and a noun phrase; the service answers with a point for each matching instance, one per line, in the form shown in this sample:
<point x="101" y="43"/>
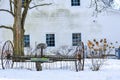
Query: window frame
<point x="76" y="38"/>
<point x="26" y="40"/>
<point x="75" y="2"/>
<point x="50" y="40"/>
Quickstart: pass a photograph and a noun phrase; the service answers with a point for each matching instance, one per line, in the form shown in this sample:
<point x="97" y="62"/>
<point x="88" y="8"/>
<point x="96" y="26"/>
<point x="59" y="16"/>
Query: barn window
<point x="76" y="38"/>
<point x="50" y="40"/>
<point x="75" y="2"/>
<point x="26" y="41"/>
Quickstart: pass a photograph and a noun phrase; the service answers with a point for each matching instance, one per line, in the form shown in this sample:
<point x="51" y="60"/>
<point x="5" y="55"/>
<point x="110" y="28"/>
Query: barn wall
<point x="62" y="19"/>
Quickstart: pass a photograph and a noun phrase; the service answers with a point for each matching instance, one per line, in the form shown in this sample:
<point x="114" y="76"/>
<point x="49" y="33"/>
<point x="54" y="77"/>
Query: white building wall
<point x="62" y="19"/>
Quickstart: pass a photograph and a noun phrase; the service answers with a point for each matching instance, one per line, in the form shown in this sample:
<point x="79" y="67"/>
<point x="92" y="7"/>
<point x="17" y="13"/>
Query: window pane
<point x="75" y="2"/>
<point x="50" y="39"/>
<point x="26" y="41"/>
<point x="76" y="38"/>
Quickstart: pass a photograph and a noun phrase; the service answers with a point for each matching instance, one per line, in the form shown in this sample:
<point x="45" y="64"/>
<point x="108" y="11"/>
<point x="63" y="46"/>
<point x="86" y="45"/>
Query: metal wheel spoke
<point x="80" y="56"/>
<point x="6" y="63"/>
<point x="6" y="57"/>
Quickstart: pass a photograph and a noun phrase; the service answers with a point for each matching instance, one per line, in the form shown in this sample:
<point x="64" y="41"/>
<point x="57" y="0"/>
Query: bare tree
<point x="19" y="10"/>
<point x="100" y="5"/>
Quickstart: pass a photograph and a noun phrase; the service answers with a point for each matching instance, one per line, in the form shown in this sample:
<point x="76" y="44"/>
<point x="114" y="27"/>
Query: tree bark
<point x="18" y="31"/>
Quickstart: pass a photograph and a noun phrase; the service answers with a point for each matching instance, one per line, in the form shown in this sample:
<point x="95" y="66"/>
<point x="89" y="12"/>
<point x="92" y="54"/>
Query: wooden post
<point x="38" y="63"/>
<point x="38" y="66"/>
<point x="41" y="52"/>
<point x="76" y="66"/>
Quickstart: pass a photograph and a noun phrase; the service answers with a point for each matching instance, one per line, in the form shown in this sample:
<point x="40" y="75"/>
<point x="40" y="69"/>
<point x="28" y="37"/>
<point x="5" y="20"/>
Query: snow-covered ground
<point x="109" y="71"/>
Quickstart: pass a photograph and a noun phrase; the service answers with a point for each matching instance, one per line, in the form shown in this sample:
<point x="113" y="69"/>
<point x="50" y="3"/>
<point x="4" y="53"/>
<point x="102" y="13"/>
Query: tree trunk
<point x="18" y="31"/>
<point x="18" y="43"/>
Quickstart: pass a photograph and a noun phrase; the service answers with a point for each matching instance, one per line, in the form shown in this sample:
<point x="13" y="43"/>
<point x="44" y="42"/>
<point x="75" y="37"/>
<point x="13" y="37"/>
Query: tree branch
<point x="39" y="5"/>
<point x="11" y="9"/>
<point x="24" y="14"/>
<point x="6" y="27"/>
<point x="96" y="6"/>
<point x="7" y="11"/>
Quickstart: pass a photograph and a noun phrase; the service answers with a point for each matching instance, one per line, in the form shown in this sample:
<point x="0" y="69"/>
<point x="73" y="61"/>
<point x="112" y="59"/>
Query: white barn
<point x="64" y="23"/>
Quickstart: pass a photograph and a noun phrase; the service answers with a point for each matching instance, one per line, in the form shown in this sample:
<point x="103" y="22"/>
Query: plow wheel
<point x="80" y="57"/>
<point x="6" y="56"/>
